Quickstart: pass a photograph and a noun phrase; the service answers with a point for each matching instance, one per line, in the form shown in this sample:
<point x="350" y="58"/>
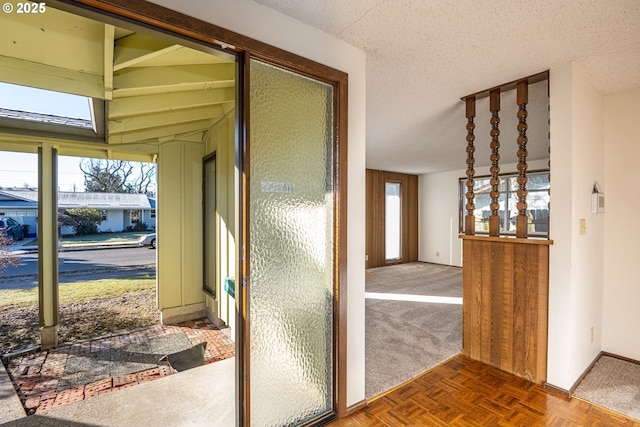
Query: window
<point x="537" y="203"/>
<point x="134" y="216"/>
<point x="152" y="215"/>
<point x="209" y="225"/>
<point x="104" y="214"/>
<point x="392" y="221"/>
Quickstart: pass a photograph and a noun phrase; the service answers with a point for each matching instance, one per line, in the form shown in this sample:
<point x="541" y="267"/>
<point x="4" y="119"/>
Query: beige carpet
<point x="418" y="325"/>
<point x="614" y="384"/>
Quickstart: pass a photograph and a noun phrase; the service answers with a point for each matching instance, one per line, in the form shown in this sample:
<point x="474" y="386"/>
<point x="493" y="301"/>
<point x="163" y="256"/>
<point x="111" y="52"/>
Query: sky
<point x="21" y="169"/>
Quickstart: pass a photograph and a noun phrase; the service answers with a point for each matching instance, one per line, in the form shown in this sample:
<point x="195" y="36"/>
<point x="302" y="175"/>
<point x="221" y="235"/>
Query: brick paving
<point x="36" y="376"/>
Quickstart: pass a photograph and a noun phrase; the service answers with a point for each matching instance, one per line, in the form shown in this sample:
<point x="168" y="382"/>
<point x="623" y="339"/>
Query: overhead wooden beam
<point x="169" y="118"/>
<point x="150" y="135"/>
<point x="534" y="78"/>
<point x="25" y="73"/>
<point x="177" y="75"/>
<point x="183" y="87"/>
<point x="137" y="48"/>
<point x="109" y="34"/>
<point x="122" y="107"/>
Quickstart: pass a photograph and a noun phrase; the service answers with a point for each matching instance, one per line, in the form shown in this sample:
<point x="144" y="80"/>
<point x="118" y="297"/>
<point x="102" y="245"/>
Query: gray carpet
<point x="406" y="338"/>
<point x="614" y="384"/>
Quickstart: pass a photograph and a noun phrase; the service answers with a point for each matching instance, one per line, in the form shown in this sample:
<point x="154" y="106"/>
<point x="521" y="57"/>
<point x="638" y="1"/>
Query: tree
<point x="86" y="219"/>
<point x="118" y="176"/>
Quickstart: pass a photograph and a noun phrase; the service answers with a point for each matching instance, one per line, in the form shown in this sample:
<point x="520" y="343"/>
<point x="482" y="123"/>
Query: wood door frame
<point x="192" y="29"/>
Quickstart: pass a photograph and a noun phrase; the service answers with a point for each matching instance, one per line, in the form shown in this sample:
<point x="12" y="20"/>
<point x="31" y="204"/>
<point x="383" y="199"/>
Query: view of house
<point x="120" y="211"/>
<point x="299" y="144"/>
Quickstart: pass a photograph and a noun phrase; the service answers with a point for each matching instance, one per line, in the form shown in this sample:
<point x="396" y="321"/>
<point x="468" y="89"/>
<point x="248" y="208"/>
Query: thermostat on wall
<point x="597" y="202"/>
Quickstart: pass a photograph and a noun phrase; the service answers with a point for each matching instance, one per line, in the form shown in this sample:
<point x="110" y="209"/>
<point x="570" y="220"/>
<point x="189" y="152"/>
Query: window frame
<point x="506" y="194"/>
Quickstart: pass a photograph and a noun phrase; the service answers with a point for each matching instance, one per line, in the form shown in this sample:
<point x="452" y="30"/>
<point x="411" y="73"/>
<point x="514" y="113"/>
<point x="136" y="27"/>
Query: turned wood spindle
<point x="522" y="99"/>
<point x="470" y="219"/>
<point x="494" y="107"/>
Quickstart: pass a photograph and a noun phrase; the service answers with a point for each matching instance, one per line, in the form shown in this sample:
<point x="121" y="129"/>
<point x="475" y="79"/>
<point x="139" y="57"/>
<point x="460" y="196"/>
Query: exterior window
<point x="152" y="215"/>
<point x="209" y="225"/>
<point x="134" y="216"/>
<point x="537" y="203"/>
<point x="104" y="214"/>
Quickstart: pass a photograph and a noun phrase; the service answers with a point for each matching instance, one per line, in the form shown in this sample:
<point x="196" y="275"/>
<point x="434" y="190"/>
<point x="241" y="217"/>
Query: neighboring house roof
<point x="45" y="118"/>
<point x="67" y="199"/>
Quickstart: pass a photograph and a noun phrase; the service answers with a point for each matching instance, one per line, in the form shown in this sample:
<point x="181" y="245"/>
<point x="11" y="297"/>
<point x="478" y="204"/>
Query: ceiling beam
<point x="136" y="123"/>
<point x="149" y="104"/>
<point x="182" y="87"/>
<point x="137" y="48"/>
<point x="109" y="35"/>
<point x="149" y="135"/>
<point x="26" y="73"/>
<point x="173" y="75"/>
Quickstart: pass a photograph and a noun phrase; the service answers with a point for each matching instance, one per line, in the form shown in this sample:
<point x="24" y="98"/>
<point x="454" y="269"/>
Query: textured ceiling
<point x="422" y="56"/>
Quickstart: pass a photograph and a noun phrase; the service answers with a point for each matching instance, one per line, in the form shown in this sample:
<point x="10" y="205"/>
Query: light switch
<point x="583" y="226"/>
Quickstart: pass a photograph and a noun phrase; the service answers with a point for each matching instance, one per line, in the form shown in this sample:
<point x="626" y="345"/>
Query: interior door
<point x="289" y="236"/>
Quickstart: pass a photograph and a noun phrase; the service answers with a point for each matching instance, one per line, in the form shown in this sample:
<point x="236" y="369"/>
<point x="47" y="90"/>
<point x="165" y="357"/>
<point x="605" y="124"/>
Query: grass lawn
<point x="80" y="291"/>
<point x="88" y="309"/>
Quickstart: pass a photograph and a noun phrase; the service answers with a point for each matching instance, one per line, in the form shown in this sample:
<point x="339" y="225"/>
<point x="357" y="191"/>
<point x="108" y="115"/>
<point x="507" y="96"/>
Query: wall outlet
<point x="437" y="253"/>
<point x="366" y="257"/>
<point x="592" y="334"/>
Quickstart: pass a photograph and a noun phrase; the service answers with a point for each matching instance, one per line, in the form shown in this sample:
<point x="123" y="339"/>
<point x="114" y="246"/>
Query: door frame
<point x="192" y="29"/>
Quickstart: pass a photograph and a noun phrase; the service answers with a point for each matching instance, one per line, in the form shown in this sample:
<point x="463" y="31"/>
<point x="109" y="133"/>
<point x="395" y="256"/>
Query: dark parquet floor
<point x="463" y="392"/>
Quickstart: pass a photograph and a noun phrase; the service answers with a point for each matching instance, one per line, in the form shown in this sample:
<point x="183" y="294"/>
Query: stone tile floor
<point x="78" y="371"/>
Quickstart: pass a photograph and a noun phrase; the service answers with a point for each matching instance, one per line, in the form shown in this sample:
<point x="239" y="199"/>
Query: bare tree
<point x="118" y="176"/>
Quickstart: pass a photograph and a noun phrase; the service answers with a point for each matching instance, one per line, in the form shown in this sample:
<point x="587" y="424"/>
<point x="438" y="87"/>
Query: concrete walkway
<point x="10" y="405"/>
<point x="203" y="396"/>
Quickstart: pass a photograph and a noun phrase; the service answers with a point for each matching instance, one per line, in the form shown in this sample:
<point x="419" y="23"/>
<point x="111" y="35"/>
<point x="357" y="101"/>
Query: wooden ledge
<point x="508" y="239"/>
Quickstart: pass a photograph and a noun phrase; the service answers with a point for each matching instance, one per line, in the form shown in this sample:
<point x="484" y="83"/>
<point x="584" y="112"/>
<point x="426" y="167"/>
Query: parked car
<point x="9" y="227"/>
<point x="148" y="240"/>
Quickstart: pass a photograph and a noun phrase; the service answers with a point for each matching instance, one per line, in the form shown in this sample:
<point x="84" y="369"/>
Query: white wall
<point x="438" y="212"/>
<point x="114" y="221"/>
<point x="621" y="321"/>
<point x="250" y="19"/>
<point x="576" y="259"/>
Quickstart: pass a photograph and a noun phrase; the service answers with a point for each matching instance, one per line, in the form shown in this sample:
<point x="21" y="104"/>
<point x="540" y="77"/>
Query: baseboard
<point x="584" y="374"/>
<point x="623" y="358"/>
<point x="557" y="390"/>
<point x="354" y="408"/>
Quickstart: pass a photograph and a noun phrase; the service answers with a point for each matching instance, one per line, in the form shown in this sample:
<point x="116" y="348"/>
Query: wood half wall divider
<point x="505" y="279"/>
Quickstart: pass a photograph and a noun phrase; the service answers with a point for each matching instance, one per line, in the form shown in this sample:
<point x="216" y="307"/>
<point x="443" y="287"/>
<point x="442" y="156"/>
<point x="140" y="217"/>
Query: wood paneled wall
<point x="505" y="300"/>
<point x="375" y="243"/>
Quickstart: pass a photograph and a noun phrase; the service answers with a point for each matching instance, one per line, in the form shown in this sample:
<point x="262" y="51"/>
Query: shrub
<point x="87" y="220"/>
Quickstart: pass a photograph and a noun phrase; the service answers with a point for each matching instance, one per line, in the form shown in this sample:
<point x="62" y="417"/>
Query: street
<point x="88" y="264"/>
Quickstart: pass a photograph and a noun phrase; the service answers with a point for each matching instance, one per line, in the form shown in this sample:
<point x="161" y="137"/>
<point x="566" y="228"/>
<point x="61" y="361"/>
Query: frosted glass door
<point x="291" y="229"/>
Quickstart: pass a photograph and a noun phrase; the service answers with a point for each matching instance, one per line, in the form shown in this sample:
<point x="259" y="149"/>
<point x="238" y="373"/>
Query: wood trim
<point x="356" y="407"/>
<point x="340" y="292"/>
<point x="623" y="358"/>
<point x="534" y="78"/>
<point x="375" y="217"/>
<point x="507" y="239"/>
<point x="163" y="19"/>
<point x="585" y="373"/>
